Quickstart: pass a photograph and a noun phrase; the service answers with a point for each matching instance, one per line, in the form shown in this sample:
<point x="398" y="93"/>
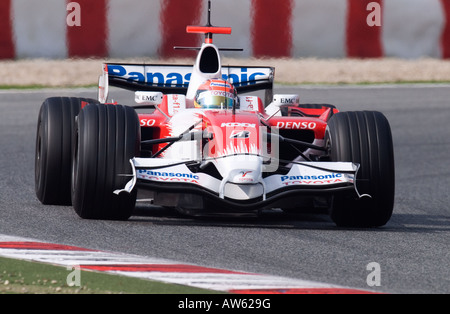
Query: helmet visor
<point x="215" y="100"/>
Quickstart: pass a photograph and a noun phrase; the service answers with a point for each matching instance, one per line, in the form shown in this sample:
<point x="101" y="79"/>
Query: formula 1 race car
<point x="203" y="146"/>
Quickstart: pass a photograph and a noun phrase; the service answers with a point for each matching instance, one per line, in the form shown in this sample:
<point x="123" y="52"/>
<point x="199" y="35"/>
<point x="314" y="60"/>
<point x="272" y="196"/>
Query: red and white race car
<point x="199" y="145"/>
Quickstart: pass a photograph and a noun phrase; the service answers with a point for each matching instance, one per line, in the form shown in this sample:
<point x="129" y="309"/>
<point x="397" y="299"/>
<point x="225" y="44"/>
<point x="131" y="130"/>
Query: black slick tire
<point x="364" y="138"/>
<point x="107" y="138"/>
<point x="53" y="153"/>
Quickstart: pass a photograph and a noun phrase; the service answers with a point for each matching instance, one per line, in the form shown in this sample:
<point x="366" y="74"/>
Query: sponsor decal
<point x="296" y="125"/>
<point x="240" y="75"/>
<point x="245" y="177"/>
<point x="141" y="75"/>
<point x="286" y="99"/>
<point x="237" y="124"/>
<point x="216" y="93"/>
<point x="176" y="103"/>
<point x="289" y="101"/>
<point x="147" y="122"/>
<point x="313" y="180"/>
<point x="240" y="134"/>
<point x="249" y="103"/>
<point x="148" y="97"/>
<point x="174" y="76"/>
<point x="167" y="176"/>
<point x="224" y="85"/>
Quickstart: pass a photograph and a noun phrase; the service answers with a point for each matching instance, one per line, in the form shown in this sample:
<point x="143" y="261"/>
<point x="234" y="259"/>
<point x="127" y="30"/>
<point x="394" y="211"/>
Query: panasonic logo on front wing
<point x="313" y="180"/>
<point x="168" y="174"/>
<point x="324" y="177"/>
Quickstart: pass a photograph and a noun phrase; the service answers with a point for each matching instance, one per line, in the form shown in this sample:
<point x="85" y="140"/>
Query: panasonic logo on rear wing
<point x="180" y="75"/>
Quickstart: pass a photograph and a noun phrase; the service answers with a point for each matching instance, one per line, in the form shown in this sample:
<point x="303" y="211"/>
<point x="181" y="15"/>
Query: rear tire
<point x="107" y="138"/>
<point x="53" y="155"/>
<point x="364" y="138"/>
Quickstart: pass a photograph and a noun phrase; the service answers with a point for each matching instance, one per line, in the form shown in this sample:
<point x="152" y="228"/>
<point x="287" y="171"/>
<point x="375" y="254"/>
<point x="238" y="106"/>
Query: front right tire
<point x="364" y="138"/>
<point x="53" y="157"/>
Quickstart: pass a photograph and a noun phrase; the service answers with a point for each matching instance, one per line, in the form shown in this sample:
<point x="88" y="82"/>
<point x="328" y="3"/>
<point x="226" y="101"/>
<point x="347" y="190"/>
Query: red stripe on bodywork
<point x="90" y="39"/>
<point x="166" y="268"/>
<point x="363" y="41"/>
<point x="445" y="37"/>
<point x="272" y="28"/>
<point x="40" y="246"/>
<point x="175" y="16"/>
<point x="302" y="291"/>
<point x="7" y="50"/>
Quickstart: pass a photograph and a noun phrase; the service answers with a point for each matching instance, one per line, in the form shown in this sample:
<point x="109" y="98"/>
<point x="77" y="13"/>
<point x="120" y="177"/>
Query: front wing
<point x="241" y="189"/>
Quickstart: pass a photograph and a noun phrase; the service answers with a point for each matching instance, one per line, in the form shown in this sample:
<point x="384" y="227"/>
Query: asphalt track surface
<point x="412" y="250"/>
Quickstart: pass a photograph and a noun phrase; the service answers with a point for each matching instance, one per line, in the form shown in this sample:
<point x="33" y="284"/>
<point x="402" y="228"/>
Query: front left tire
<point x="107" y="138"/>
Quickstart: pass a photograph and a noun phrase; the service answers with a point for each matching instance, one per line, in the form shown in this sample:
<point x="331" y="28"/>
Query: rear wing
<point x="174" y="79"/>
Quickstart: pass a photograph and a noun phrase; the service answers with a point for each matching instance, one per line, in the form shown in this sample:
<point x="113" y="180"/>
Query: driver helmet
<point x="215" y="94"/>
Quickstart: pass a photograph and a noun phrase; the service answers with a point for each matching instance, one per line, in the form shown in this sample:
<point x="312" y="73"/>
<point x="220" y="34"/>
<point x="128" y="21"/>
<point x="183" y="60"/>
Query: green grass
<point x="23" y="277"/>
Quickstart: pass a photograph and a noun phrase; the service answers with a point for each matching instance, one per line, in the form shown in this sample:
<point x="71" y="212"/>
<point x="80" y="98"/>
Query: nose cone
<point x="242" y="177"/>
<point x="243" y="185"/>
<point x="241" y="169"/>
